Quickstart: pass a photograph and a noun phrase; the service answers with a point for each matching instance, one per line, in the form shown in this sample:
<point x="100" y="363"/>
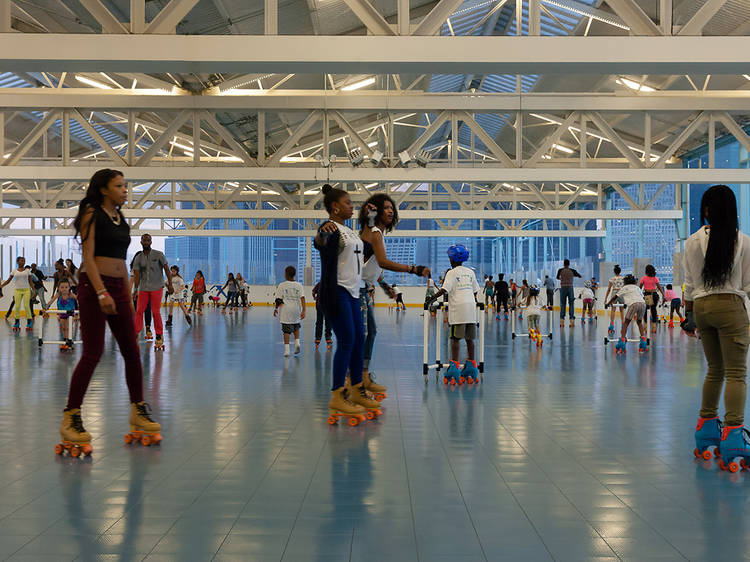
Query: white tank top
<point x="350" y="260"/>
<point x="372" y="270"/>
<point x="21" y="279"/>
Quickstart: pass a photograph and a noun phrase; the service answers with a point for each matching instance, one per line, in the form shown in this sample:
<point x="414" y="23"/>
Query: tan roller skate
<point x="360" y="396"/>
<point x="73" y="436"/>
<point x="377" y="390"/>
<point x="340" y="405"/>
<point x="142" y="427"/>
<point x="149" y="334"/>
<point x="159" y="343"/>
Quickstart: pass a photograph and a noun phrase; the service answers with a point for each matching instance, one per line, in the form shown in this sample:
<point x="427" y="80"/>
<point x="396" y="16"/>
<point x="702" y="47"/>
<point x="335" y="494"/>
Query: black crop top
<point x="110" y="240"/>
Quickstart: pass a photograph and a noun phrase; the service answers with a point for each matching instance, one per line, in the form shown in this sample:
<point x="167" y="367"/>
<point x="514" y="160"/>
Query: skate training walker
<point x="437" y="364"/>
<point x="648" y="325"/>
<point x="535" y="336"/>
<point x="66" y="344"/>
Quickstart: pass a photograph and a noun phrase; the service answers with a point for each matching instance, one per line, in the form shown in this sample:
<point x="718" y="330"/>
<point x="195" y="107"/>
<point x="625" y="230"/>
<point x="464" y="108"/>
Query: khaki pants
<point x="723" y="325"/>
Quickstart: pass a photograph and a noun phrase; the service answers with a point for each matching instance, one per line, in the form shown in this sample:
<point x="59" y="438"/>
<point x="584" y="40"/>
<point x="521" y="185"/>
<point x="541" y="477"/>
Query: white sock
<point x="286" y="349"/>
<point x="296" y="346"/>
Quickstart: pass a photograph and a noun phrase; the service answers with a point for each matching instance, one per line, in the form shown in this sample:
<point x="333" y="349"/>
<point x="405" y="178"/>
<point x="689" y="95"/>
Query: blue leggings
<point x="368" y="317"/>
<point x="350" y="338"/>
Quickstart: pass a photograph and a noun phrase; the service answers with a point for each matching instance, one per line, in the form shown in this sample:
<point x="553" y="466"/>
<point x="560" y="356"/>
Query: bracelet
<point x="101" y="291"/>
<point x="103" y="295"/>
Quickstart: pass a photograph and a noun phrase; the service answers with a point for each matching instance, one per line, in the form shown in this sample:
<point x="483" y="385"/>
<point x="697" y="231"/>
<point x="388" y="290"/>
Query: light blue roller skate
<point x="643" y="346"/>
<point x="453" y="374"/>
<point x="707" y="438"/>
<point x="470" y="373"/>
<point x="621" y="346"/>
<point x="611" y="330"/>
<point x="734" y="448"/>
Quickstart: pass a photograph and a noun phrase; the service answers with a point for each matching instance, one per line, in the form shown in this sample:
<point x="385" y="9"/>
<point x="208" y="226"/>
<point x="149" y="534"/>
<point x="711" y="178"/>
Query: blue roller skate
<point x="29" y="325"/>
<point x="707" y="438"/>
<point x="621" y="346"/>
<point x="643" y="346"/>
<point x="734" y="447"/>
<point x="611" y="330"/>
<point x="470" y="373"/>
<point x="17" y="327"/>
<point x="453" y="374"/>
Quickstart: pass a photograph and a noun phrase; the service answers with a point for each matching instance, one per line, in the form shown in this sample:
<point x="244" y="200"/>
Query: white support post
<point x="634" y="17"/>
<point x="433" y="21"/>
<point x="665" y="16"/>
<point x="370" y="17"/>
<point x="166" y="21"/>
<point x="130" y="156"/>
<point x="535" y="20"/>
<point x="2" y="134"/>
<point x="271" y="17"/>
<point x="137" y="16"/>
<point x="404" y="26"/>
<point x="454" y="139"/>
<point x="711" y="141"/>
<point x="261" y="138"/>
<point x="519" y="139"/>
<point x="196" y="138"/>
<point x="65" y="138"/>
<point x="109" y="23"/>
<point x="647" y="139"/>
<point x="583" y="140"/>
<point x="5" y="19"/>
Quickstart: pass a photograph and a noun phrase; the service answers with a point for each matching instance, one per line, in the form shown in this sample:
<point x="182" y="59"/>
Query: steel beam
<point x="431" y="174"/>
<point x="25" y="52"/>
<point x="300" y="100"/>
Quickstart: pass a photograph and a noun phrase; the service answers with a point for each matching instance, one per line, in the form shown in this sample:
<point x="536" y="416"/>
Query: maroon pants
<point x="92" y="332"/>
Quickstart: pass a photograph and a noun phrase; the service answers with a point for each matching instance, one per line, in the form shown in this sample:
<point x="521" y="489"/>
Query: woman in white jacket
<point x="717" y="281"/>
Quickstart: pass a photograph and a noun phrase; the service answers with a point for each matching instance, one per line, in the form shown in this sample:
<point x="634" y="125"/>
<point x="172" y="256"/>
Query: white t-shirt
<point x="350" y="260"/>
<point x="21" y="279"/>
<point x="533" y="307"/>
<point x="616" y="283"/>
<point x="461" y="285"/>
<point x="695" y="255"/>
<point x="291" y="293"/>
<point x="631" y="294"/>
<point x="587" y="294"/>
<point x="178" y="284"/>
<point x="372" y="270"/>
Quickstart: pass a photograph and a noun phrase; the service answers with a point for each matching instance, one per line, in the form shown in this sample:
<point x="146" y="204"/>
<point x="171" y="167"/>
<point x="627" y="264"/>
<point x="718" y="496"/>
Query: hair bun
<point x="327" y="188"/>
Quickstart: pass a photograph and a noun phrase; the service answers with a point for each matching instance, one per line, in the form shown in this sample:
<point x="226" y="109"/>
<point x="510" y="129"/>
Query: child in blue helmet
<point x="461" y="286"/>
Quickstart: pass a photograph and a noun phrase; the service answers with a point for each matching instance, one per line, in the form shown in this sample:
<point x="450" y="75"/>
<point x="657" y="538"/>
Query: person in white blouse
<point x="717" y="283"/>
<point x="341" y="276"/>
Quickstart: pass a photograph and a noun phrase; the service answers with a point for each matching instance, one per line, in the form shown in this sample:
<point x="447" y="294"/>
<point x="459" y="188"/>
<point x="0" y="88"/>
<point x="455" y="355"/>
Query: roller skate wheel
<point x="707" y="454"/>
<point x="370" y="415"/>
<point x="128" y="438"/>
<point x="453" y="382"/>
<point x="445" y="380"/>
<point x="146" y="440"/>
<point x="696" y="452"/>
<point x="59" y="449"/>
<point x="734" y="467"/>
<point x="722" y="464"/>
<point x="353" y="421"/>
<point x="743" y="463"/>
<point x="469" y="380"/>
<point x="461" y="380"/>
<point x="332" y="420"/>
<point x="75" y="452"/>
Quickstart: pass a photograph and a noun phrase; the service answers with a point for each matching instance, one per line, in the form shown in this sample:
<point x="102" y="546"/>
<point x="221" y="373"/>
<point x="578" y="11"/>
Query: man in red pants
<point x="148" y="281"/>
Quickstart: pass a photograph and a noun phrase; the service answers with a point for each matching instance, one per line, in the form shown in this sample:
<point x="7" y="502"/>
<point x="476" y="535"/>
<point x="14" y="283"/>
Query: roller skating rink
<point x="565" y="452"/>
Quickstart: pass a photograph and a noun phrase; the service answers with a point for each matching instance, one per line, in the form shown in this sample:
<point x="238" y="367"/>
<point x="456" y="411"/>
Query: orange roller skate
<point x="340" y="406"/>
<point x="377" y="390"/>
<point x="142" y="427"/>
<point x="360" y="397"/>
<point x="73" y="436"/>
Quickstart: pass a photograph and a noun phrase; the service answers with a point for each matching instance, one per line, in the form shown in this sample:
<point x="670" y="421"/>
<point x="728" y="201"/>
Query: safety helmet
<point x="458" y="253"/>
<point x="587" y="284"/>
<point x="534" y="291"/>
<point x="629" y="279"/>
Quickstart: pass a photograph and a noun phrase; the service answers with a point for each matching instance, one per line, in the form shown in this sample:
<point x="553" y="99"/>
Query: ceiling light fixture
<point x="746" y="76"/>
<point x="93" y="83"/>
<point x="361" y="84"/>
<point x="633" y="85"/>
<point x="563" y="148"/>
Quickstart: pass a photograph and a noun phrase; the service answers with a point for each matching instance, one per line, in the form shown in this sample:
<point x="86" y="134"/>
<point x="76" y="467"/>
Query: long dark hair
<point x="331" y="195"/>
<point x="719" y="210"/>
<point x="378" y="201"/>
<point x="100" y="180"/>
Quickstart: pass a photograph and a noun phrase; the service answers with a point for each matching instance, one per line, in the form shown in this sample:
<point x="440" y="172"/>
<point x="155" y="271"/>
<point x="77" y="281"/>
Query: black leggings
<point x="652" y="308"/>
<point x="502" y="301"/>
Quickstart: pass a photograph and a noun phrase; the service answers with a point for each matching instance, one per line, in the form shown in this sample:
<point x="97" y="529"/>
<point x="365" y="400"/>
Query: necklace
<point x="114" y="218"/>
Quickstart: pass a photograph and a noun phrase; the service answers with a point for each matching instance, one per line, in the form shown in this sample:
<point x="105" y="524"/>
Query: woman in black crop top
<point x="104" y="297"/>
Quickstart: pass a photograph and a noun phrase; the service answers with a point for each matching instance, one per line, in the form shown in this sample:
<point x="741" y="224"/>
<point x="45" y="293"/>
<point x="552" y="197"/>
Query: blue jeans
<point x="350" y="337"/>
<point x="368" y="318"/>
<point x="566" y="294"/>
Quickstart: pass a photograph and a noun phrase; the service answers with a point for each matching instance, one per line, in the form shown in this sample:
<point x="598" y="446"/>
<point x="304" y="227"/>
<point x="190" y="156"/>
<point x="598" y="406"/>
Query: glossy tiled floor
<point x="564" y="453"/>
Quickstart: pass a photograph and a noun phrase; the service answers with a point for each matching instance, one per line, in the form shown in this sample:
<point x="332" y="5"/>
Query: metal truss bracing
<point x="223" y="133"/>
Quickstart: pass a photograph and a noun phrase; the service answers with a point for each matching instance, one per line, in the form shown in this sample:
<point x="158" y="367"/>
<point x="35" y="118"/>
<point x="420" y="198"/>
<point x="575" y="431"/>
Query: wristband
<point x="103" y="295"/>
<point x="99" y="292"/>
<point x="419" y="270"/>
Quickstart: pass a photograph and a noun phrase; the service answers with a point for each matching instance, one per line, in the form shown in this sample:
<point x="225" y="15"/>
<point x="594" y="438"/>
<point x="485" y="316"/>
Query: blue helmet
<point x="458" y="253"/>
